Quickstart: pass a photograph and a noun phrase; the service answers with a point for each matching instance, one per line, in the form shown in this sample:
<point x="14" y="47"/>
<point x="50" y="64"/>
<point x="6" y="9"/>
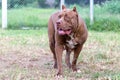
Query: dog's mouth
<point x="64" y="32"/>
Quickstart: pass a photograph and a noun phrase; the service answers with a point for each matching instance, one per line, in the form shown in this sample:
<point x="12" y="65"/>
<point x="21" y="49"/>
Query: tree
<point x="84" y="2"/>
<point x="41" y="3"/>
<point x="72" y="1"/>
<point x="57" y="3"/>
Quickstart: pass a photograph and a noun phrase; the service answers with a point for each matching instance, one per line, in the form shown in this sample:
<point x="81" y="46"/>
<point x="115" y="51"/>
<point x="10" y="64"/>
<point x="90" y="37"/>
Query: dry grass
<point x="25" y="55"/>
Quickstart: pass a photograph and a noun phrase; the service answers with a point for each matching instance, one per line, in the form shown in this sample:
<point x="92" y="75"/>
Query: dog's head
<point x="67" y="22"/>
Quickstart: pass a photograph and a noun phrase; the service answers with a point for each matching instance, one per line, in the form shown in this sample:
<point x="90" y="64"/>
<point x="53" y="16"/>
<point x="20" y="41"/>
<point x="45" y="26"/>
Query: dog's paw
<point x="78" y="71"/>
<point x="55" y="66"/>
<point x="58" y="76"/>
<point x="74" y="68"/>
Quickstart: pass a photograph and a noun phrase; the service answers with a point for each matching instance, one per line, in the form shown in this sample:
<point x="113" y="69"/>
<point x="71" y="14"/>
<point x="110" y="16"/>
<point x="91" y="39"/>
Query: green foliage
<point x="104" y="24"/>
<point x="72" y="1"/>
<point x="116" y="76"/>
<point x="112" y="6"/>
<point x="103" y="19"/>
<point x="36" y="18"/>
<point x="106" y="17"/>
<point x="42" y="3"/>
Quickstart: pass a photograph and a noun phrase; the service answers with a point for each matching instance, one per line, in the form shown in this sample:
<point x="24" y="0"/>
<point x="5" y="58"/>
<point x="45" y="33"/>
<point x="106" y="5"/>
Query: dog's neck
<point x="71" y="36"/>
<point x="71" y="42"/>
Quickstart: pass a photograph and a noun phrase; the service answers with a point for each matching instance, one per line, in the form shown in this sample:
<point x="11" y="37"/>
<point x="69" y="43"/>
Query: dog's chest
<point x="70" y="43"/>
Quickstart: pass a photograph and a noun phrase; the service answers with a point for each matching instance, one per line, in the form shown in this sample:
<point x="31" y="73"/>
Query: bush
<point x="112" y="6"/>
<point x="104" y="24"/>
<point x="32" y="18"/>
<point x="103" y="20"/>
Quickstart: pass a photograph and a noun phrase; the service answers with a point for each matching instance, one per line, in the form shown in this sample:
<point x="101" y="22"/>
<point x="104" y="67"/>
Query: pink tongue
<point x="61" y="32"/>
<point x="67" y="32"/>
<point x="64" y="32"/>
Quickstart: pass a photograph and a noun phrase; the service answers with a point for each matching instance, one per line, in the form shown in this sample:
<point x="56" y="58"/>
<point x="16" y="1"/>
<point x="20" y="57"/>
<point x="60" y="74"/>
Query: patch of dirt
<point x="16" y="59"/>
<point x="24" y="60"/>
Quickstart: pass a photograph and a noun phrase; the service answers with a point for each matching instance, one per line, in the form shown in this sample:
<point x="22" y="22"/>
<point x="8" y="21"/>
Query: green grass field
<point x="35" y="18"/>
<point x="28" y="17"/>
<point x="25" y="55"/>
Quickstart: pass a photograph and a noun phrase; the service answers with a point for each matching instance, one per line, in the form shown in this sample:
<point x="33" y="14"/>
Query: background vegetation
<point x="47" y="3"/>
<point x="106" y="17"/>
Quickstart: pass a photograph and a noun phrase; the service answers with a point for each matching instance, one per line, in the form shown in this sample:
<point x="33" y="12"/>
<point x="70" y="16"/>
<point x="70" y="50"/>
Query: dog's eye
<point x="67" y="19"/>
<point x="59" y="16"/>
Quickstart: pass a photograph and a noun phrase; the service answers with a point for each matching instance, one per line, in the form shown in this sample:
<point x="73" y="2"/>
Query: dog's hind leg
<point x="77" y="51"/>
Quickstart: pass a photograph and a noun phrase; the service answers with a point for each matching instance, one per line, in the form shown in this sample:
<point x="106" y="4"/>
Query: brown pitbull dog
<point x="66" y="31"/>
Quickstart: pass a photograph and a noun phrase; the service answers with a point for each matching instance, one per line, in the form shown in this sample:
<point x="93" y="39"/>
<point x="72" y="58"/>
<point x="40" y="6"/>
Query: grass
<point x="25" y="55"/>
<point x="32" y="18"/>
<point x="35" y="18"/>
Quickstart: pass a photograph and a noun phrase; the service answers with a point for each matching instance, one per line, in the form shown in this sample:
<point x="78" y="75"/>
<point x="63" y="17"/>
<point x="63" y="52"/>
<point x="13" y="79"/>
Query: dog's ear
<point x="63" y="7"/>
<point x="74" y="9"/>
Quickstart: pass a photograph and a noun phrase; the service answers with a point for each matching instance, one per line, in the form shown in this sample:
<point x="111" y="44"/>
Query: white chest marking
<point x="71" y="43"/>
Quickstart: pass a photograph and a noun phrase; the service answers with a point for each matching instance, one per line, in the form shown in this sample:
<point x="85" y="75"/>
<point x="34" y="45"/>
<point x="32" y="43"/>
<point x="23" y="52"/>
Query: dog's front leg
<point x="67" y="58"/>
<point x="59" y="50"/>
